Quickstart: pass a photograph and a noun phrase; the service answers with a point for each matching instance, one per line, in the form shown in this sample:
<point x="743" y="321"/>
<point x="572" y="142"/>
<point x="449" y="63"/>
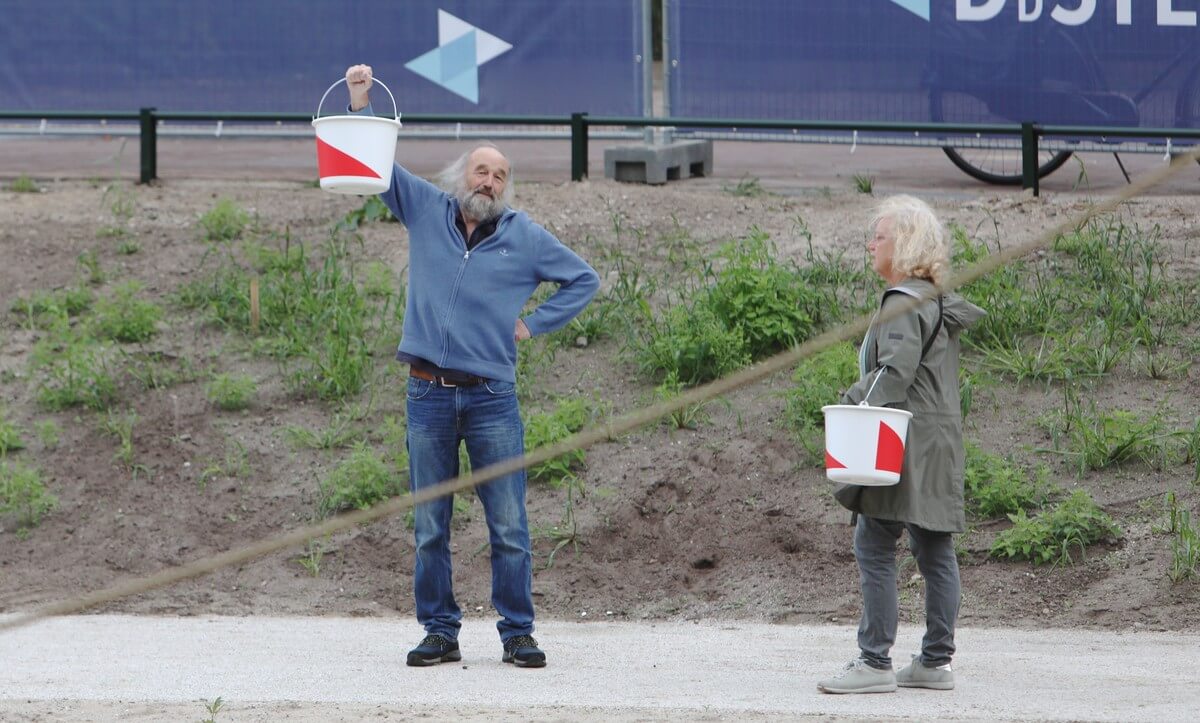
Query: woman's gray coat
<point x="930" y="491"/>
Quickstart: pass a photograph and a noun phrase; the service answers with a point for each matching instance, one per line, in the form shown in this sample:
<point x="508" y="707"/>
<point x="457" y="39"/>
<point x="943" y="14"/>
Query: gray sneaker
<point x="859" y="677"/>
<point x="916" y="675"/>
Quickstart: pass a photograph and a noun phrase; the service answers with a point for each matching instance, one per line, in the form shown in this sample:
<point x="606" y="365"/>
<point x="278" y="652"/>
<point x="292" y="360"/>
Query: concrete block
<point x="657" y="164"/>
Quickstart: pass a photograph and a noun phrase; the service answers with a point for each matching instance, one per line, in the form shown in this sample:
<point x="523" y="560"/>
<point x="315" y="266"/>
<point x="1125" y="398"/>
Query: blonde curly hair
<point x="921" y="248"/>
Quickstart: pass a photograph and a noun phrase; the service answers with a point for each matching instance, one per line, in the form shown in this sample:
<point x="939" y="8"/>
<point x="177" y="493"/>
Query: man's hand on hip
<point x="521" y="332"/>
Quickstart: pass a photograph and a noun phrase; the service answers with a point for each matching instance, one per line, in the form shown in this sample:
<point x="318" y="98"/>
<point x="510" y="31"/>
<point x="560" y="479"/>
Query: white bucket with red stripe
<point x="864" y="445"/>
<point x="355" y="153"/>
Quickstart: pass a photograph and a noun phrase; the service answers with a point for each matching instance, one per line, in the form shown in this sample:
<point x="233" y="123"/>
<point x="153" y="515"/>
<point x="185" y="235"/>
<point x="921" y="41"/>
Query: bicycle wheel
<point x="997" y="165"/>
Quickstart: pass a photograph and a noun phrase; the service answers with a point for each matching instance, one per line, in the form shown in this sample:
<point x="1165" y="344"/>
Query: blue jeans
<point x="488" y="418"/>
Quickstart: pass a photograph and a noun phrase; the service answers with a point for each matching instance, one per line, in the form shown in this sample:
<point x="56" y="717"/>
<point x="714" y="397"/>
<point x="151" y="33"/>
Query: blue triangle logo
<point x="466" y="84"/>
<point x="920" y="8"/>
<point x="428" y="66"/>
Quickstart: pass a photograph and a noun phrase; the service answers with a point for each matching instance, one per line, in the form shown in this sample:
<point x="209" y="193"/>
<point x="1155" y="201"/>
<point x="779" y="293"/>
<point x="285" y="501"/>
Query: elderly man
<point x="473" y="264"/>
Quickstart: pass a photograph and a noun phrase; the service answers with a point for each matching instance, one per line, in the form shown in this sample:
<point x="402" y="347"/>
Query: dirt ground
<point x="726" y="521"/>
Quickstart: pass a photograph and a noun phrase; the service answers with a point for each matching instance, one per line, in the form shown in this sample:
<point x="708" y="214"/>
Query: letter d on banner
<point x="1025" y="15"/>
<point x="965" y="10"/>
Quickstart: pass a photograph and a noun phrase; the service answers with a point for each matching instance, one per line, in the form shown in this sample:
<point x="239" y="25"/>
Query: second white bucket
<point x="864" y="445"/>
<point x="355" y="153"/>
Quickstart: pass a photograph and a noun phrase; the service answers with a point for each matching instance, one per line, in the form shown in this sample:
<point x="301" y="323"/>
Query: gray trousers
<point x="875" y="550"/>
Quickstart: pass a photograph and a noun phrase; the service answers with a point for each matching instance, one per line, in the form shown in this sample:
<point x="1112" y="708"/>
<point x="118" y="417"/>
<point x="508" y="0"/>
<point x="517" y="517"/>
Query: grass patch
<point x="124" y="318"/>
<point x="1185" y="541"/>
<point x="357" y="483"/>
<point x="547" y="428"/>
<point x="224" y="222"/>
<point x="24" y="495"/>
<point x="232" y="392"/>
<point x="23" y="184"/>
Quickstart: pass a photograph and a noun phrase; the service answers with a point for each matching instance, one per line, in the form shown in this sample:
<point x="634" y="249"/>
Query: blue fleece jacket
<point x="463" y="305"/>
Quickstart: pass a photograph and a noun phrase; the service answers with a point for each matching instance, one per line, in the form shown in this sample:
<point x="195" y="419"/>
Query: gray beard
<point x="479" y="207"/>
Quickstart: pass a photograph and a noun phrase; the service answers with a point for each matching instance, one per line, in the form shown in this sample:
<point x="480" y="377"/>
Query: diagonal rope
<point x="585" y="438"/>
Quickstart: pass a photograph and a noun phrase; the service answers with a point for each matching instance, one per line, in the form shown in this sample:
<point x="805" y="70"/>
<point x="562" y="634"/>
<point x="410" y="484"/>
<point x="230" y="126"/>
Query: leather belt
<point x="469" y="381"/>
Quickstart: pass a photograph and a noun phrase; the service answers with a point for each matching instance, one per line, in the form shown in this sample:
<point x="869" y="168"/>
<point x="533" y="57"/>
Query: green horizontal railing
<point x="580" y="123"/>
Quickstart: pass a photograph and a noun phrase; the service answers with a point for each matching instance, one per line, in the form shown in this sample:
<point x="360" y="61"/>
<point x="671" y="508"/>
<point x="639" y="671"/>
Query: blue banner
<point x="1072" y="62"/>
<point x="447" y="56"/>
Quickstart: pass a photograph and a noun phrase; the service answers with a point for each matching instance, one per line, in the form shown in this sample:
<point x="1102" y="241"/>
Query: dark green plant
<point x="372" y="210"/>
<point x="995" y="487"/>
<point x="359" y="482"/>
<point x="692" y="343"/>
<point x="763" y="298"/>
<point x="864" y="183"/>
<point x="1076" y="522"/>
<point x="547" y="428"/>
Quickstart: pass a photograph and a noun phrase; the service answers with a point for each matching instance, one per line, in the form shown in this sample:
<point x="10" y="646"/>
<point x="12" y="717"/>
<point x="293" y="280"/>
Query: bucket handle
<point x="343" y="80"/>
<point x="871" y="388"/>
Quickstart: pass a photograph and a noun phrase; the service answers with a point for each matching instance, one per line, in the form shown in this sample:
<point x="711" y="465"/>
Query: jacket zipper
<point x="462" y="269"/>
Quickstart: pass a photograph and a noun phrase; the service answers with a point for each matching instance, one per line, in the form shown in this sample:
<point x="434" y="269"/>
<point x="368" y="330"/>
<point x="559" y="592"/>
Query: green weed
<point x="10" y="437"/>
<point x="763" y="298"/>
<point x="360" y="481"/>
<point x="864" y="183"/>
<point x="43" y="309"/>
<point x="690" y="342"/>
<point x="688" y="417"/>
<point x="746" y="187"/>
<point x="89" y="262"/>
<point x="48" y="433"/>
<point x="314" y="553"/>
<point x="212" y="708"/>
<point x="995" y="487"/>
<point x="1099" y="439"/>
<point x="23" y="184"/>
<point x="120" y="425"/>
<point x="232" y="392"/>
<point x="224" y="222"/>
<point x="547" y="428"/>
<point x="372" y="210"/>
<point x="1051" y="536"/>
<point x="125" y="318"/>
<point x="378" y="281"/>
<point x="234" y="465"/>
<point x="1185" y="541"/>
<point x="73" y="372"/>
<point x="23" y="494"/>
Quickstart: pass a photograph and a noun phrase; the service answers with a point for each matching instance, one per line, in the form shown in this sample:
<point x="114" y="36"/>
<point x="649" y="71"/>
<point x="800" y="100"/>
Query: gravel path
<point x="308" y="669"/>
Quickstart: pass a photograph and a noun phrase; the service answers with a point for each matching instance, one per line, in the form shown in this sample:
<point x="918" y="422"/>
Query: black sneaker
<point x="523" y="652"/>
<point x="434" y="649"/>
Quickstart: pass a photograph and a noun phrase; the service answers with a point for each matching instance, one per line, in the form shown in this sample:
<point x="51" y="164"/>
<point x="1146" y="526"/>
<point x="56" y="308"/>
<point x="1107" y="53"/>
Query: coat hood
<point x="957" y="312"/>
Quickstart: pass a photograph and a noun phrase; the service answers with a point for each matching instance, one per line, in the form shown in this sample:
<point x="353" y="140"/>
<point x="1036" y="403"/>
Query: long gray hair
<point x="453" y="178"/>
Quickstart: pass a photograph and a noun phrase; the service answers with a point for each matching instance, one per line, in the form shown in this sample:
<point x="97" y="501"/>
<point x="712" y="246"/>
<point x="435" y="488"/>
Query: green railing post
<point x="579" y="146"/>
<point x="1029" y="157"/>
<point x="149" y="136"/>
